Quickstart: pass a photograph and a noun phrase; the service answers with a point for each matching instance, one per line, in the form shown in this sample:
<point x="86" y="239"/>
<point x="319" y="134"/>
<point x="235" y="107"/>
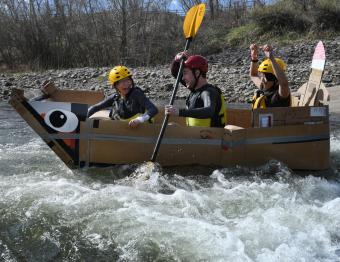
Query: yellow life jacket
<point x="206" y="122"/>
<point x="260" y="99"/>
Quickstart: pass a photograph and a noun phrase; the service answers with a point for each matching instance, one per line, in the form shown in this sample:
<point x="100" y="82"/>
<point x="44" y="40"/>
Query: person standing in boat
<point x="205" y="104"/>
<point x="129" y="103"/>
<point x="270" y="78"/>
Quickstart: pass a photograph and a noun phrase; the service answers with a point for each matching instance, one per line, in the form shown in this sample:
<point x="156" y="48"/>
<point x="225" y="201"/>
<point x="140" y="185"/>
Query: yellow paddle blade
<point x="193" y="20"/>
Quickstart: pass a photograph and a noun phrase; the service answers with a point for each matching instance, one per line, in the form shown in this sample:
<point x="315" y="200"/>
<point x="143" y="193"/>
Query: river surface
<point x="269" y="213"/>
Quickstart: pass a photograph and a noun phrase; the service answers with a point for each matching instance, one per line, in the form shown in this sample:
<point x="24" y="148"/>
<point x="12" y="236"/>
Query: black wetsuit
<point x="201" y="103"/>
<point x="123" y="108"/>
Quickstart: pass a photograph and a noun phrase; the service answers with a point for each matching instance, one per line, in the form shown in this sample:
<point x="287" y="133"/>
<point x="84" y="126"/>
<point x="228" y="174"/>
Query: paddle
<point x="192" y="22"/>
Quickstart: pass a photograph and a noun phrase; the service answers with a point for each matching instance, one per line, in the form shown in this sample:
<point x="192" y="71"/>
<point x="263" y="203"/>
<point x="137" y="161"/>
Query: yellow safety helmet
<point x="118" y="73"/>
<point x="267" y="67"/>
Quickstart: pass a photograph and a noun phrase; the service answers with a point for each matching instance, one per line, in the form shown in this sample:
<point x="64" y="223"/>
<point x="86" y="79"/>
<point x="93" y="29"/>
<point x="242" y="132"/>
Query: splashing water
<point x="147" y="213"/>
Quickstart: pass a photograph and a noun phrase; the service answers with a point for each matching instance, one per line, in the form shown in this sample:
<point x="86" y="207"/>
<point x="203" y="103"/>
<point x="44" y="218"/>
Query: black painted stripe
<point x="195" y="141"/>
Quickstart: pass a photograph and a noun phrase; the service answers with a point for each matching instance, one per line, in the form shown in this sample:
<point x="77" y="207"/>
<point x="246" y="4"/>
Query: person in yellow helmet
<point x="270" y="78"/>
<point x="129" y="103"/>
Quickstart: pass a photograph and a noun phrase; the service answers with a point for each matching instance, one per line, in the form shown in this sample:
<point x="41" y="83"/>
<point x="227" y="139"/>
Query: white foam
<point x="266" y="214"/>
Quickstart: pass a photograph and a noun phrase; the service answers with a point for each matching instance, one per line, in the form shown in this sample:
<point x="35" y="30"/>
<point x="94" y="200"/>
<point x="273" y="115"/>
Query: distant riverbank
<point x="228" y="70"/>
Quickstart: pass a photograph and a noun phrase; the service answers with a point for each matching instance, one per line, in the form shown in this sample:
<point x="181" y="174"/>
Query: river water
<point x="269" y="213"/>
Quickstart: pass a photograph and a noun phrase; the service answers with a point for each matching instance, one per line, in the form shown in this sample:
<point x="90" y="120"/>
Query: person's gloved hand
<point x="171" y="110"/>
<point x="135" y="122"/>
<point x="180" y="55"/>
<point x="253" y="51"/>
<point x="268" y="51"/>
<point x="141" y="119"/>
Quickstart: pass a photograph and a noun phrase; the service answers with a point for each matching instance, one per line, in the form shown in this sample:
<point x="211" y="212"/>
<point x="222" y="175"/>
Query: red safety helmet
<point x="197" y="62"/>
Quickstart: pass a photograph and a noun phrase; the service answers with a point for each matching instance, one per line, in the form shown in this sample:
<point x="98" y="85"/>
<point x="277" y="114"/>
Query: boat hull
<point x="113" y="142"/>
<point x="298" y="136"/>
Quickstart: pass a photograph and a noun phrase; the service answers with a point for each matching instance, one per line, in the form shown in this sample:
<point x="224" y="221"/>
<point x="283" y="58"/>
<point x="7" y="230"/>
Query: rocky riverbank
<point x="228" y="70"/>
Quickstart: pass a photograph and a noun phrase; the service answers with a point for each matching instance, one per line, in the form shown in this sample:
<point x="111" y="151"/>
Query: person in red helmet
<point x="205" y="104"/>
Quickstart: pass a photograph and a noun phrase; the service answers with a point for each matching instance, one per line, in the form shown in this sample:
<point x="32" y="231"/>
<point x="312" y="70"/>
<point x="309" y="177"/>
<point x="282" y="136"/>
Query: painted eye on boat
<point x="61" y="120"/>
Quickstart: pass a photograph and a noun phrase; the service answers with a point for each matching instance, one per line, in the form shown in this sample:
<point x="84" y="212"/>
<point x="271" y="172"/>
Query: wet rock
<point x="168" y="87"/>
<point x="327" y="79"/>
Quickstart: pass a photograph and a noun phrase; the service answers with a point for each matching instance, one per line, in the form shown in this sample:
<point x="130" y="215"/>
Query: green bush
<point x="210" y="38"/>
<point x="326" y="15"/>
<point x="281" y="17"/>
<point x="242" y="35"/>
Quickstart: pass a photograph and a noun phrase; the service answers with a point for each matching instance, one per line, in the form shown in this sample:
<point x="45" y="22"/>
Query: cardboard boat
<point x="298" y="136"/>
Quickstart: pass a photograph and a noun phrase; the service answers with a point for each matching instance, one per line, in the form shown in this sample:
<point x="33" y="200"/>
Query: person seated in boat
<point x="129" y="103"/>
<point x="270" y="78"/>
<point x="205" y="104"/>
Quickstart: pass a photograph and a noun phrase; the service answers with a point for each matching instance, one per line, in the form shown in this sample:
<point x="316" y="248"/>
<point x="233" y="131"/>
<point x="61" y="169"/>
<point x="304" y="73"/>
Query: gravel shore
<point x="228" y="70"/>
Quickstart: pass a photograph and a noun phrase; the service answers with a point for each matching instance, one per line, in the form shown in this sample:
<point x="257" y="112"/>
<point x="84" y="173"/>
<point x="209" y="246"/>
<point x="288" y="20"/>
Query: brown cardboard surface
<point x="233" y="152"/>
<point x="289" y="115"/>
<point x="239" y="117"/>
<point x="78" y="96"/>
<point x="158" y="119"/>
<point x="84" y="143"/>
<point x="109" y="150"/>
<point x="322" y="96"/>
<point x="314" y="79"/>
<point x="301" y="143"/>
<point x="140" y="142"/>
<point x="192" y="153"/>
<point x="314" y="154"/>
<point x="49" y="88"/>
<point x="72" y="96"/>
<point x="307" y="97"/>
<point x="236" y="148"/>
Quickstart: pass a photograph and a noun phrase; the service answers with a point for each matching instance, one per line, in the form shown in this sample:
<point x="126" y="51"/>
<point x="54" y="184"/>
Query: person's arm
<point x="284" y="90"/>
<point x="254" y="64"/>
<point x="207" y="111"/>
<point x="101" y="105"/>
<point x="144" y="101"/>
<point x="151" y="109"/>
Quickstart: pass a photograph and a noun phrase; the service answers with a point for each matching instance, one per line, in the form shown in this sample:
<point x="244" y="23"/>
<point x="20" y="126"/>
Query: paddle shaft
<point x="166" y="118"/>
